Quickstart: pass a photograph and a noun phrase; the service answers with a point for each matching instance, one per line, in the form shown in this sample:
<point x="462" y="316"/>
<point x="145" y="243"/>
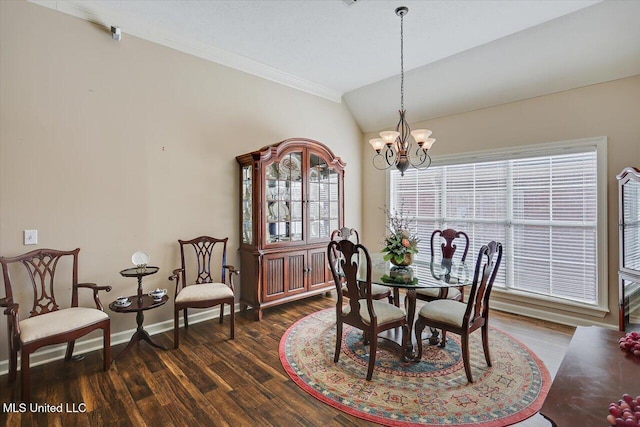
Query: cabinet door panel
<point x="274" y="279"/>
<point x="284" y="274"/>
<point x="319" y="273"/>
<point x="296" y="272"/>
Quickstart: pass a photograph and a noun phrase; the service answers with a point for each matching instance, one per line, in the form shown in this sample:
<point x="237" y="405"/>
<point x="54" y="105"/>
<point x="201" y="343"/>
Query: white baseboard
<point x="51" y="353"/>
<point x="541" y="314"/>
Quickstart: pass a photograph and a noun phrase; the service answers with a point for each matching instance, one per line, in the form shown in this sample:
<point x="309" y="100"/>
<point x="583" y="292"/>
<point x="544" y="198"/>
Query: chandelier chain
<point x="402" y="62"/>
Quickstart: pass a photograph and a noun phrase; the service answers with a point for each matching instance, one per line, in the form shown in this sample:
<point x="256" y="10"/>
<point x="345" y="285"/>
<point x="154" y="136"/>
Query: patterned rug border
<point x="528" y="412"/>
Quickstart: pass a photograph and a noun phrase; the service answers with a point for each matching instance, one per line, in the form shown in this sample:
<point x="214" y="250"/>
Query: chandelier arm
<point x="388" y="165"/>
<point x="422" y="157"/>
<point x="390" y="156"/>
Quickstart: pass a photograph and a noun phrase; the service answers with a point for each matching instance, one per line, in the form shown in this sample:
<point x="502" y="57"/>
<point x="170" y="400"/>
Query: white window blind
<point x="542" y="208"/>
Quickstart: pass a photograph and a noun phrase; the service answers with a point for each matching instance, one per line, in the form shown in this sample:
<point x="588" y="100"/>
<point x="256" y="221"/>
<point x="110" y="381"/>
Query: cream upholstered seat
<point x="464" y="318"/>
<point x="203" y="291"/>
<point x="436" y="293"/>
<point x="445" y="311"/>
<point x="58" y="322"/>
<point x="362" y="311"/>
<point x="385" y="312"/>
<point x="47" y="322"/>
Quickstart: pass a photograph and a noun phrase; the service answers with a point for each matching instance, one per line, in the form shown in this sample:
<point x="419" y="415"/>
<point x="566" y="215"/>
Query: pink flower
<point x="405" y="243"/>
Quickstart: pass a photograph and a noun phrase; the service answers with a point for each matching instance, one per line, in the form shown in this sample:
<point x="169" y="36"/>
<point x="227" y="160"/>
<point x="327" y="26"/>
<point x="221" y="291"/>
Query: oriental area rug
<point x="433" y="392"/>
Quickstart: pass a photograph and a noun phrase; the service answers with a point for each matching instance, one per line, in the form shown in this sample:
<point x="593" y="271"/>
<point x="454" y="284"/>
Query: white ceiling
<point x="459" y="55"/>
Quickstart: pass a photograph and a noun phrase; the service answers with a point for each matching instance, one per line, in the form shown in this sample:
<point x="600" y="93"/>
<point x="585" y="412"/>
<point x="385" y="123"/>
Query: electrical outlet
<point x="30" y="237"/>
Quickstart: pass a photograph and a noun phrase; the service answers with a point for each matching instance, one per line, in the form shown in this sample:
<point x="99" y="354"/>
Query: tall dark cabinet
<point x="629" y="238"/>
<point x="291" y="198"/>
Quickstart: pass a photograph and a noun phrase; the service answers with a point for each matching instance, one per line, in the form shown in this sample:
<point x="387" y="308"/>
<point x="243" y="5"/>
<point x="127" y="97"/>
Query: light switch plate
<point x="30" y="237"/>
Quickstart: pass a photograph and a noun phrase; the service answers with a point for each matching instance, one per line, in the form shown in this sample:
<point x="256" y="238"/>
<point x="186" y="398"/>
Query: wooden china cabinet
<point x="629" y="237"/>
<point x="291" y="198"/>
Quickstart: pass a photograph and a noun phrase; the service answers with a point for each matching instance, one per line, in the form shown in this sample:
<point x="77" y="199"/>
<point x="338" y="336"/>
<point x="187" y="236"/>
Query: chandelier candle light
<point x="394" y="148"/>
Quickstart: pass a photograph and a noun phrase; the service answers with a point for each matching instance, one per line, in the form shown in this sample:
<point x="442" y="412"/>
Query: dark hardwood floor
<point x="211" y="380"/>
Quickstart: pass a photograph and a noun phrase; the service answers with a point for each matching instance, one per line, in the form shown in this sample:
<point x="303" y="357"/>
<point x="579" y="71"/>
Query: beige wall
<point x="609" y="109"/>
<point x="115" y="147"/>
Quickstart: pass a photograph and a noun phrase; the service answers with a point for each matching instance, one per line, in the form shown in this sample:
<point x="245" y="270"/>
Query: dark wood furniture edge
<point x="593" y="374"/>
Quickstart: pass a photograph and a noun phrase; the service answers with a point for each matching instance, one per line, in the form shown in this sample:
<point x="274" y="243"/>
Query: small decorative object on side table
<point x="139" y="302"/>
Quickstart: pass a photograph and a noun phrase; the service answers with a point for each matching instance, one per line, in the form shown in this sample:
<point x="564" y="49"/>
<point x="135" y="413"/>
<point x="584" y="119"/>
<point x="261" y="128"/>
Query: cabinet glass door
<point x="247" y="207"/>
<point x="283" y="199"/>
<point x="631" y="300"/>
<point x="323" y="198"/>
<point x="631" y="225"/>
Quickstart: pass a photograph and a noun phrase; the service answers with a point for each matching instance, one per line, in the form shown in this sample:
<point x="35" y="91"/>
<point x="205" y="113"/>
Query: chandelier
<point x="394" y="148"/>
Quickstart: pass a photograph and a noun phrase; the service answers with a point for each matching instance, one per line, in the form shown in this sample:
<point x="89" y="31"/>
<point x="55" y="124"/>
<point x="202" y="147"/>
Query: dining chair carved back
<point x="34" y="317"/>
<point x="448" y="240"/>
<point x="378" y="291"/>
<point x="464" y="318"/>
<point x="196" y="286"/>
<point x="362" y="311"/>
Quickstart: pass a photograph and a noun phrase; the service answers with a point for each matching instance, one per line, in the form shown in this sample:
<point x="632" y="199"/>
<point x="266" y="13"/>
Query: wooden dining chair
<point x="47" y="323"/>
<point x="464" y="318"/>
<point x="378" y="291"/>
<point x="200" y="290"/>
<point x="362" y="312"/>
<point x="449" y="240"/>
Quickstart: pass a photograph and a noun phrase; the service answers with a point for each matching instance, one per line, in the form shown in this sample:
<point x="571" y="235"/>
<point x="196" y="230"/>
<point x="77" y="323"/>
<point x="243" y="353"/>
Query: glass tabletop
<point x="438" y="274"/>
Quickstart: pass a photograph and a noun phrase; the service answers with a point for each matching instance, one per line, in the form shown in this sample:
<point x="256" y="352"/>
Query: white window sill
<point x="542" y="302"/>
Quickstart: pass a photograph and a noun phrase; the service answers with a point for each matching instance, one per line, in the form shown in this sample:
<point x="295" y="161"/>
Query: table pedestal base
<point x="140" y="334"/>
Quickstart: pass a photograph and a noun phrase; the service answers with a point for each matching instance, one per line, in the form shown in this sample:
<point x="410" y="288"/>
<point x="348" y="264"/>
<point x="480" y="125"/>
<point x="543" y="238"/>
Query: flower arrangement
<point x="399" y="244"/>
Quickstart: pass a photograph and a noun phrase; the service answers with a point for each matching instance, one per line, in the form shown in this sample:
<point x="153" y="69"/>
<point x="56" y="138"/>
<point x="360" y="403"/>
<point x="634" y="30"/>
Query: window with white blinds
<point x="543" y="208"/>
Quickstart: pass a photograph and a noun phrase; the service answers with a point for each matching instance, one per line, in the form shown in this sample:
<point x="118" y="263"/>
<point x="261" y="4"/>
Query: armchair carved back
<point x="41" y="266"/>
<point x="205" y="250"/>
<point x="449" y="246"/>
<point x="489" y="259"/>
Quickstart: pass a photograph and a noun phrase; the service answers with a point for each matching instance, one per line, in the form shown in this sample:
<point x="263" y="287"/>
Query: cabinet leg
<point x="257" y="314"/>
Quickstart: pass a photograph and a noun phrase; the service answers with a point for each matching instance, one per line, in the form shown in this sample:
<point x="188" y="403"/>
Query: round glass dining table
<point x="438" y="274"/>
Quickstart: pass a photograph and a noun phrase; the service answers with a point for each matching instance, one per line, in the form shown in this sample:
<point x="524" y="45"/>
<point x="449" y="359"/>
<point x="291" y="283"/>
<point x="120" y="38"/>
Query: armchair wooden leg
<point x="232" y="322"/>
<point x="221" y="312"/>
<point x="485" y="344"/>
<point x="465" y="356"/>
<point x="176" y="333"/>
<point x="13" y="365"/>
<point x="373" y="349"/>
<point x="24" y="375"/>
<point x="443" y="338"/>
<point x="406" y="337"/>
<point x="186" y="320"/>
<point x="106" y="344"/>
<point x="336" y="355"/>
<point x="69" y="354"/>
<point x="419" y="328"/>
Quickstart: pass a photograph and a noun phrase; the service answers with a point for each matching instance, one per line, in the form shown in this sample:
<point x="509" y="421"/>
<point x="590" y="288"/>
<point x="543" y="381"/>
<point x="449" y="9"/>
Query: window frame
<point x="601" y="307"/>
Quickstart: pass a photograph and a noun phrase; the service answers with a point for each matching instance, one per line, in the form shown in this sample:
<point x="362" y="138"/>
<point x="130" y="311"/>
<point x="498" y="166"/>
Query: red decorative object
<point x="631" y="343"/>
<point x="625" y="413"/>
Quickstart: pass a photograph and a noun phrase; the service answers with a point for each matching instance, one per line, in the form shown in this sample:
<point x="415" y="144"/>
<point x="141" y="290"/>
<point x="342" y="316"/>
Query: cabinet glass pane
<point x="247" y="206"/>
<point x="631" y="225"/>
<point x="323" y="198"/>
<point x="283" y="199"/>
<point x="631" y="301"/>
